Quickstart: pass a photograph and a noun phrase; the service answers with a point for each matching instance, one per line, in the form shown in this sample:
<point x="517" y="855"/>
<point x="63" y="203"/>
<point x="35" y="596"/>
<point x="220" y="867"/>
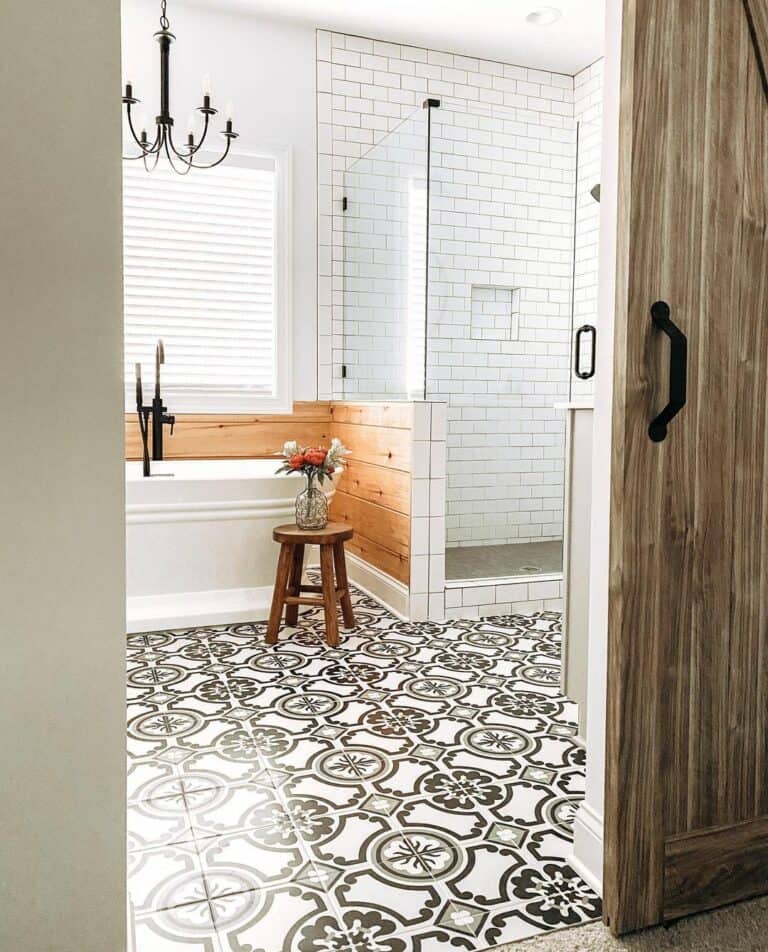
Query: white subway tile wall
<point x="588" y="99"/>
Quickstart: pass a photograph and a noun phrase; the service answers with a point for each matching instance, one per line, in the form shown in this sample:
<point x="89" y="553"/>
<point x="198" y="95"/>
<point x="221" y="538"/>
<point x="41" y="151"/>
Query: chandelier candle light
<point x="182" y="158"/>
<point x="315" y="462"/>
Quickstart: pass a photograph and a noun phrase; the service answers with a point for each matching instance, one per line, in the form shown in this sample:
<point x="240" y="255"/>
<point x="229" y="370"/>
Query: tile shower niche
<point x="495" y="313"/>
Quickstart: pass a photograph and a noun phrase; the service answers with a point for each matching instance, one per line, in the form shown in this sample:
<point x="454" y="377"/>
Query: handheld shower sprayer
<point x="159" y="359"/>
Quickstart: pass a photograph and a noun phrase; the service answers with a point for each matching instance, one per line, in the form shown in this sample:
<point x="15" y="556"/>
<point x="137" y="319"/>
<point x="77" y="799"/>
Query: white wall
<point x="588" y="824"/>
<point x="62" y="574"/>
<point x="266" y="69"/>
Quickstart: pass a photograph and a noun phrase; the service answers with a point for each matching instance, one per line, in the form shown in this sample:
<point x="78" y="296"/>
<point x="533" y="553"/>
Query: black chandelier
<point x="180" y="159"/>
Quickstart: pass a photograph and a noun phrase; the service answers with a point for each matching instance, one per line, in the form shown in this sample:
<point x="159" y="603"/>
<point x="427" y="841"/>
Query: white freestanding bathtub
<point x="199" y="540"/>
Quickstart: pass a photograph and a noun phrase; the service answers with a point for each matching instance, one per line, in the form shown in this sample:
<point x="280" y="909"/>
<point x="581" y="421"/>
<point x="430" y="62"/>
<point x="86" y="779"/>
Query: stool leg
<point x="340" y="561"/>
<point x="281" y="582"/>
<point x="294" y="584"/>
<point x="329" y="595"/>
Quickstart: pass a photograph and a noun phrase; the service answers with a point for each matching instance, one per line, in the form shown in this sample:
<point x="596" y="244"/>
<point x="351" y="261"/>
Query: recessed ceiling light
<point x="544" y="16"/>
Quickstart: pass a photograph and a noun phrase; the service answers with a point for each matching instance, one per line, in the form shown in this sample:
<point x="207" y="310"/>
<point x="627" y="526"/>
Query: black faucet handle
<point x="172" y="420"/>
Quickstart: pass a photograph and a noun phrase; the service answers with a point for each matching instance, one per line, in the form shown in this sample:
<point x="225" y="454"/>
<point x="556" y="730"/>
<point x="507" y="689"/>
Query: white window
<point x="206" y="269"/>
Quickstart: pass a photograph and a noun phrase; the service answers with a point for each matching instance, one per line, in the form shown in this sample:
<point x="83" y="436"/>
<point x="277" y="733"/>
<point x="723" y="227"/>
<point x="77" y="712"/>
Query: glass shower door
<point x="499" y="331"/>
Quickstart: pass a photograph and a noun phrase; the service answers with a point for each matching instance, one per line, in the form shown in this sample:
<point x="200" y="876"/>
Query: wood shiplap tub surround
<point x="375" y="493"/>
<point x="236" y="436"/>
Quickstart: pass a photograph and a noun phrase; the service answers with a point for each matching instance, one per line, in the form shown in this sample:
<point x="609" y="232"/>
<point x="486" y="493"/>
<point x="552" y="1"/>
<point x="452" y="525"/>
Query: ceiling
<point x="489" y="29"/>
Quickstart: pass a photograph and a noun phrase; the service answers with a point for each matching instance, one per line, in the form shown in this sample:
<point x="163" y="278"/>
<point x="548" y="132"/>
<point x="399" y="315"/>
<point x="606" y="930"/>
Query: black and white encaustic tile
<point x="410" y="791"/>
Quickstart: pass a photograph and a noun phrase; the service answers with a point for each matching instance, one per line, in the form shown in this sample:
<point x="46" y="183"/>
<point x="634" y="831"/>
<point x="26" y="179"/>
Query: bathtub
<point x="199" y="547"/>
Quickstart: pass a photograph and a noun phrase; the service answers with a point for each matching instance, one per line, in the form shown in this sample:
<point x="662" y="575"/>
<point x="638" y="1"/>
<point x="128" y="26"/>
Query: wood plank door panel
<point x="687" y="769"/>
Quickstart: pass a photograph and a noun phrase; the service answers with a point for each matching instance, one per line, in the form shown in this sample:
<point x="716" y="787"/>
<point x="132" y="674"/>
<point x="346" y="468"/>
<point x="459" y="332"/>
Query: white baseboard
<point x="587" y="856"/>
<point x="191" y="609"/>
<point x="372" y="581"/>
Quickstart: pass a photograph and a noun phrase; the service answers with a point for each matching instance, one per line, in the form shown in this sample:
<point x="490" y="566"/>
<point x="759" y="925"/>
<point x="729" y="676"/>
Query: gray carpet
<point x="739" y="928"/>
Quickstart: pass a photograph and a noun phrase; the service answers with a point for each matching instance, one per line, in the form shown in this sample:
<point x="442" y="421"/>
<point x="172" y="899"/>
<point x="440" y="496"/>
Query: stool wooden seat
<point x="333" y="573"/>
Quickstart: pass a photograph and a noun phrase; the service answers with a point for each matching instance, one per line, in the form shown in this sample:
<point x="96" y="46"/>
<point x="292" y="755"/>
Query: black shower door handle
<point x="678" y="370"/>
<point x="584" y="374"/>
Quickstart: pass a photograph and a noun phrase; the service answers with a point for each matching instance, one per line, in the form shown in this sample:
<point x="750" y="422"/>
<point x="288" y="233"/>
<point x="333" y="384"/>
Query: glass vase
<point x="311" y="508"/>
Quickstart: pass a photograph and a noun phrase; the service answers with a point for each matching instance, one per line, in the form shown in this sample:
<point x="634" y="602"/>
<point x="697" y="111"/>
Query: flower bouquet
<point x="316" y="463"/>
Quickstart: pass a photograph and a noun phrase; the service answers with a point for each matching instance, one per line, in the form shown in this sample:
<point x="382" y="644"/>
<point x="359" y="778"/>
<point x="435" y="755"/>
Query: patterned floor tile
<point x="184" y="929"/>
<point x="165" y="877"/>
<point x="152" y="824"/>
<point x="412" y="790"/>
<point x="289" y="918"/>
<point x="261" y="857"/>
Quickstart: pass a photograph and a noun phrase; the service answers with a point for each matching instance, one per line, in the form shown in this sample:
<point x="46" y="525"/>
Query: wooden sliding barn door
<point x="687" y="765"/>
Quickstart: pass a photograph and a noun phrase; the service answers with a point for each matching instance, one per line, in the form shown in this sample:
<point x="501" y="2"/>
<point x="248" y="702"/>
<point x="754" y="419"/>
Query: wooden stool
<point x="288" y="587"/>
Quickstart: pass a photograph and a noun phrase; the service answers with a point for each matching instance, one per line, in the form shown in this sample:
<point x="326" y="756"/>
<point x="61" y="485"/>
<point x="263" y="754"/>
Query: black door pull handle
<point x="678" y="370"/>
<point x="590" y="372"/>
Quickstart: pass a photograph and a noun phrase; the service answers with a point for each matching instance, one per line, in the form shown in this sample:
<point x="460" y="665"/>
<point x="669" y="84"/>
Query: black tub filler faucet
<point x="156" y="410"/>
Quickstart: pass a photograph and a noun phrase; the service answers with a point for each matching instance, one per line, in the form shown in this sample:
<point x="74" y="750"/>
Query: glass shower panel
<point x="499" y="331"/>
<point x="385" y="266"/>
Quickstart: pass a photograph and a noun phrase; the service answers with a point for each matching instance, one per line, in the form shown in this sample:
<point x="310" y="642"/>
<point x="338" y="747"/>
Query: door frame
<point x="588" y="847"/>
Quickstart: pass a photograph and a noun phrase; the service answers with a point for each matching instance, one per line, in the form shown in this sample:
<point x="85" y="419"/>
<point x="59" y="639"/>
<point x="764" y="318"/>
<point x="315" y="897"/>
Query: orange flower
<point x="296" y="461"/>
<point x="315" y="456"/>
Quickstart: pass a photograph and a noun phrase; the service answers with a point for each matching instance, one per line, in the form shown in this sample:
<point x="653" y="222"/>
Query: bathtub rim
<point x="192" y="497"/>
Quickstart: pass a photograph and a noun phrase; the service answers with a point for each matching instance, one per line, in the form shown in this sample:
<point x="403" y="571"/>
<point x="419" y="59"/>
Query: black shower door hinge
<point x="343" y="370"/>
<point x="344" y="204"/>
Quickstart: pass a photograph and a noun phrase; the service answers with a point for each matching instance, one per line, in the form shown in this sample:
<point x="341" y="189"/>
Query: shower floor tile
<point x="503" y="561"/>
<point x="410" y="791"/>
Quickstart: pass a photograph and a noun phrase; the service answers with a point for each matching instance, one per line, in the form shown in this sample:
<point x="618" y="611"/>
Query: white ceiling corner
<point x="488" y="29"/>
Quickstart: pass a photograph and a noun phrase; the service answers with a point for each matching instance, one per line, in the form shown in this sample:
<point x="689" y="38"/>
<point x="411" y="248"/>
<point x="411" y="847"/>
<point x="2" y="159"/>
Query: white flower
<point x="290" y="448"/>
<point x="336" y="452"/>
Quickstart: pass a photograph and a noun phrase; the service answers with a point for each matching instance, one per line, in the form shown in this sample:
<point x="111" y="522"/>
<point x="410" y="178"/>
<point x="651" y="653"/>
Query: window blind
<point x="199" y="272"/>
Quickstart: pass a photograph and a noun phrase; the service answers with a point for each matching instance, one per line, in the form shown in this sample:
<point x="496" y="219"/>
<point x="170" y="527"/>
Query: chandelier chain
<point x="164" y="23"/>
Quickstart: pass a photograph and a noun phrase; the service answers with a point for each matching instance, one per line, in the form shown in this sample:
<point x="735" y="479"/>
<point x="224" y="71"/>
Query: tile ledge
<point x="575" y="405"/>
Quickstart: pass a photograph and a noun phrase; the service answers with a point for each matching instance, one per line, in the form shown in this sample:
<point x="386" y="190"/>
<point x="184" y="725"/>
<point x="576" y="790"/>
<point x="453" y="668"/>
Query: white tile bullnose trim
<point x="478" y="598"/>
<point x="586" y="404"/>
